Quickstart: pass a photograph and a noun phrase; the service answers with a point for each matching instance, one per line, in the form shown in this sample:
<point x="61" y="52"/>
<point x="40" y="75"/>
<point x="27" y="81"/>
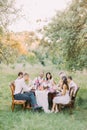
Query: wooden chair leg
<point x="24" y="106"/>
<point x="70" y="107"/>
<point x="73" y="104"/>
<point x="13" y="105"/>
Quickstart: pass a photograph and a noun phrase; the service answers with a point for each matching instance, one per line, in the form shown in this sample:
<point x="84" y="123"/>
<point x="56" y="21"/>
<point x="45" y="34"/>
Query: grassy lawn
<point x="27" y="120"/>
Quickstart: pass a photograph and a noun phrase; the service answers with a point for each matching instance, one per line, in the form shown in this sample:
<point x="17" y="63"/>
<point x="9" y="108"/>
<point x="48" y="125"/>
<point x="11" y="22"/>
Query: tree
<point x="8" y="14"/>
<point x="71" y="27"/>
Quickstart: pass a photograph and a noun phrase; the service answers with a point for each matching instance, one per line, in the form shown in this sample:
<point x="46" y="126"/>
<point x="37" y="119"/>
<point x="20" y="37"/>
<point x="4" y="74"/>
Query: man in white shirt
<point x="20" y="75"/>
<point x="22" y="91"/>
<point x="72" y="84"/>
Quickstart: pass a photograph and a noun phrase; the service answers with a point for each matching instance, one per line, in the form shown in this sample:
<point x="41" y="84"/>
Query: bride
<point x="42" y="95"/>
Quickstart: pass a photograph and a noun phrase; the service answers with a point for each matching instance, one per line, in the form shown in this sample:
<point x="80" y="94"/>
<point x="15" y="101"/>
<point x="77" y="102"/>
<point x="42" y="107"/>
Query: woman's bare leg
<point x="56" y="108"/>
<point x="53" y="107"/>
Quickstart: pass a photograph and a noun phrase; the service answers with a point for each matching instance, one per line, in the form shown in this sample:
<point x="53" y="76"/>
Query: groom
<point x="22" y="91"/>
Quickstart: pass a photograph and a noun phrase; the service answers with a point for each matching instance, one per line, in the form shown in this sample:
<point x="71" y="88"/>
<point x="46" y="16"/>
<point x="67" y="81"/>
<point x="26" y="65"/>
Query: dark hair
<point x="20" y="73"/>
<point x="64" y="78"/>
<point x="49" y="74"/>
<point x="70" y="77"/>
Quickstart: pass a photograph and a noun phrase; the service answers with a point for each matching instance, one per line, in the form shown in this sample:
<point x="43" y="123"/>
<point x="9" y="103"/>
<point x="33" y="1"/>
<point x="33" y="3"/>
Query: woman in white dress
<point x="63" y="97"/>
<point x="49" y="83"/>
<point x="42" y="95"/>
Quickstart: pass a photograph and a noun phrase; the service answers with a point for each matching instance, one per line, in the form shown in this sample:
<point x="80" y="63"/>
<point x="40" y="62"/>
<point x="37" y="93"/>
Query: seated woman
<point x="63" y="97"/>
<point x="42" y="96"/>
<point x="49" y="83"/>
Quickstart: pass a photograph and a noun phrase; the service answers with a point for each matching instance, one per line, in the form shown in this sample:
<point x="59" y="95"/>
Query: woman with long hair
<point x="63" y="97"/>
<point x="42" y="96"/>
<point x="49" y="82"/>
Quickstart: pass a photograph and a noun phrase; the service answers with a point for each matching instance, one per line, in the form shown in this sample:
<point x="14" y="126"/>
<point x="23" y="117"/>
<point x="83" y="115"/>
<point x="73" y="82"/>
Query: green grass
<point x="28" y="120"/>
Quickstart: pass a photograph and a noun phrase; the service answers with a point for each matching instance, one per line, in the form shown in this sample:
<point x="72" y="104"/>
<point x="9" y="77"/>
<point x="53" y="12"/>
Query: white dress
<point x="50" y="84"/>
<point x="63" y="99"/>
<point x="42" y="99"/>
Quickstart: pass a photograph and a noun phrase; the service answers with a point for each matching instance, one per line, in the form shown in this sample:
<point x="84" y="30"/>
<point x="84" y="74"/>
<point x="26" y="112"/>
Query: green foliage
<point x="7" y="53"/>
<point x="31" y="58"/>
<point x="41" y="55"/>
<point x="8" y="14"/>
<point x="21" y="59"/>
<point x="67" y="33"/>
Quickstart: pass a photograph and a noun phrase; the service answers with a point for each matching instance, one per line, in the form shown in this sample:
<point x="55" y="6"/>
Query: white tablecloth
<point x="42" y="99"/>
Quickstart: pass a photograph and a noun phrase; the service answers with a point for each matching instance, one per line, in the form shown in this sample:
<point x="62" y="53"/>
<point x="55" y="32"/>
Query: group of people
<point x="36" y="92"/>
